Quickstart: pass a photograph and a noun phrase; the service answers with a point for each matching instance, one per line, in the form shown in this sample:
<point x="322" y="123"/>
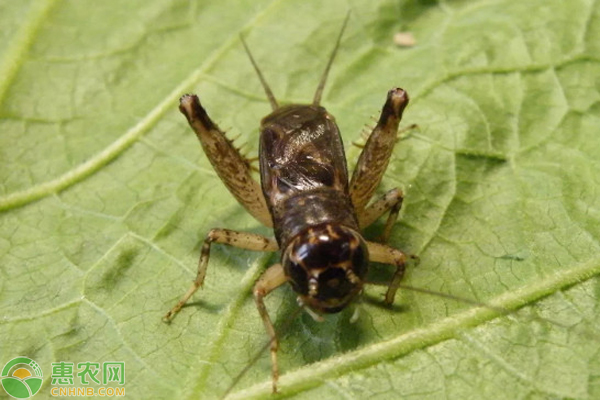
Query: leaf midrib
<point x="313" y="375"/>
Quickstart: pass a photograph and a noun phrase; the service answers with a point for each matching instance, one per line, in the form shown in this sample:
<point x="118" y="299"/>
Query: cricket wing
<point x="301" y="151"/>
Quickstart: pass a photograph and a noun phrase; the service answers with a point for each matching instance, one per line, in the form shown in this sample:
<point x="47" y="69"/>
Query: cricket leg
<point x="233" y="169"/>
<point x="388" y="255"/>
<point x="376" y="153"/>
<point x="242" y="240"/>
<point x="271" y="279"/>
<point x="391" y="201"/>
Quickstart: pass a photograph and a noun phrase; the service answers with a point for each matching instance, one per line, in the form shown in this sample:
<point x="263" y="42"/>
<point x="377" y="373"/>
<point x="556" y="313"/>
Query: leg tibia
<point x="388" y="255"/>
<point x="243" y="240"/>
<point x="271" y="279"/>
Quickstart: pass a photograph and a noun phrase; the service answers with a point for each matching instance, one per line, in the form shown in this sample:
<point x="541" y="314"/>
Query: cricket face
<point x="326" y="266"/>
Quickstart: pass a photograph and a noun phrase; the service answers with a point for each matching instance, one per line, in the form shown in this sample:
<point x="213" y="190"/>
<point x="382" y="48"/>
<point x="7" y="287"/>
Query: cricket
<point x="305" y="194"/>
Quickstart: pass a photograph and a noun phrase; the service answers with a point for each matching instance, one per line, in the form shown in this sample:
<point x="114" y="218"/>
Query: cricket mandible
<point x="305" y="195"/>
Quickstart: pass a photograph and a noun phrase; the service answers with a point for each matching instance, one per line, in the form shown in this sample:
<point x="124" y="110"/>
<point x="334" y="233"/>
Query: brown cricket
<point x="316" y="213"/>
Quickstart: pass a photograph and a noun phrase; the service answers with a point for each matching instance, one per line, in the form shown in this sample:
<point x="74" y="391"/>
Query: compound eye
<point x="326" y="266"/>
<point x="360" y="259"/>
<point x="298" y="276"/>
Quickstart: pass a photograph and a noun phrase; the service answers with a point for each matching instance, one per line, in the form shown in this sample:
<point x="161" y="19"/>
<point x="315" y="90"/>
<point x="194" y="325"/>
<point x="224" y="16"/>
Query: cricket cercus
<point x="305" y="196"/>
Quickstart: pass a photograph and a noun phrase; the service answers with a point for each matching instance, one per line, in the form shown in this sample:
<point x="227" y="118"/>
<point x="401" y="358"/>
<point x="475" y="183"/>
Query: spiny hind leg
<point x="402" y="134"/>
<point x="271" y="279"/>
<point x="391" y="201"/>
<point x="233" y="168"/>
<point x="242" y="240"/>
<point x="376" y="153"/>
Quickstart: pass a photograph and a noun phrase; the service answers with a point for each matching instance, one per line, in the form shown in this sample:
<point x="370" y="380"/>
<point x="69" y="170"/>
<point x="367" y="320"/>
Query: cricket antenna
<point x="263" y="82"/>
<point x="321" y="86"/>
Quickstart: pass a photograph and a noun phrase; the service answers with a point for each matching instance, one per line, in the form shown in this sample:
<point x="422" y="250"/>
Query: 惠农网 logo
<point x="22" y="377"/>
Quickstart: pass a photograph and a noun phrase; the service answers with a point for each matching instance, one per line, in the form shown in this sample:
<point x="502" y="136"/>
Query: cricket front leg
<point x="233" y="169"/>
<point x="242" y="240"/>
<point x="271" y="279"/>
<point x="388" y="255"/>
<point x="376" y="153"/>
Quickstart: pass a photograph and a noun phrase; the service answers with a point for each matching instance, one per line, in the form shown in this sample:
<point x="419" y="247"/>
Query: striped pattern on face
<point x="326" y="265"/>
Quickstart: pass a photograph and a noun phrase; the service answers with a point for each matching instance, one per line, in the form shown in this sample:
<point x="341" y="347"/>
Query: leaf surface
<point x="105" y="195"/>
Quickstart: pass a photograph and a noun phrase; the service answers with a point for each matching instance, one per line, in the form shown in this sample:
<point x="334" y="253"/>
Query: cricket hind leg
<point x="233" y="168"/>
<point x="242" y="240"/>
<point x="376" y="153"/>
<point x="391" y="201"/>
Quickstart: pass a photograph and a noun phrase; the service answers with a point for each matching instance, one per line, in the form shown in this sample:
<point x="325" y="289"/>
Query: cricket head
<point x="326" y="266"/>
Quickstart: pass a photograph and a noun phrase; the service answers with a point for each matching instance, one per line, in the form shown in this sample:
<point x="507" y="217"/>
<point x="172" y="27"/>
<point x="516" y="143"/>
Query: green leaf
<point x="105" y="195"/>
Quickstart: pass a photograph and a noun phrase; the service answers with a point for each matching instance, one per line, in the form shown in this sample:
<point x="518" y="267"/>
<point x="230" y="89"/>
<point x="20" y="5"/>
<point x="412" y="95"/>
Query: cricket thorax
<point x="296" y="213"/>
<point x="326" y="265"/>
